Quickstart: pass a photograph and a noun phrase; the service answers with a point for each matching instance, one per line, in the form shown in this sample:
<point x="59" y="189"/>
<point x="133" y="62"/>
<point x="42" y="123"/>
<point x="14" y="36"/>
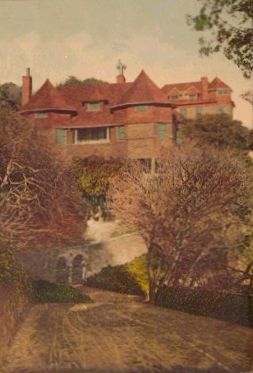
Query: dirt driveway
<point x="120" y="334"/>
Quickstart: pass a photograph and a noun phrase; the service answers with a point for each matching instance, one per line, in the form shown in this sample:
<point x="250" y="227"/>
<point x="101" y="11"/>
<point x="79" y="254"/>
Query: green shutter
<point x="61" y="136"/>
<point x="161" y="130"/>
<point x="179" y="137"/>
<point x="120" y="133"/>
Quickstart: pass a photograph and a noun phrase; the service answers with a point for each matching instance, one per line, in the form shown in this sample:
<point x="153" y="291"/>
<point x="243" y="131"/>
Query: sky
<point x="86" y="38"/>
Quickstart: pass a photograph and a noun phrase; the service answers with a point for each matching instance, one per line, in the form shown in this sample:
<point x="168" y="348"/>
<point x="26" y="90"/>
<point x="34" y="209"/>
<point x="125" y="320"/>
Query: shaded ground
<point x="120" y="334"/>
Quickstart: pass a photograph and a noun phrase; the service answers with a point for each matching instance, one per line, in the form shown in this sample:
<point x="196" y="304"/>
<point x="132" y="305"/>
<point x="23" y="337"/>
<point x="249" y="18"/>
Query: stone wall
<point x="103" y="245"/>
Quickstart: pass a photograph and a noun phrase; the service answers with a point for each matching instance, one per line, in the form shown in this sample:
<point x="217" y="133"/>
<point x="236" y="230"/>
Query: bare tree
<point x="188" y="212"/>
<point x="39" y="202"/>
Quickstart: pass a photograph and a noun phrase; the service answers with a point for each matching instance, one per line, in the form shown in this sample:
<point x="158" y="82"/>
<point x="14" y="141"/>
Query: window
<point x="174" y="97"/>
<point x="93" y="106"/>
<point x="223" y="91"/>
<point x="141" y="108"/>
<point x="221" y="110"/>
<point x="41" y="115"/>
<point x="199" y="110"/>
<point x="120" y="133"/>
<point x="179" y="137"/>
<point x="146" y="164"/>
<point x="88" y="135"/>
<point x="61" y="136"/>
<point x="193" y="96"/>
<point x="183" y="111"/>
<point x="161" y="130"/>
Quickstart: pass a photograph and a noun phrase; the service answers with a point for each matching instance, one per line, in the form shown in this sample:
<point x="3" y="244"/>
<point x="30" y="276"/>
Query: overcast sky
<point x="85" y="38"/>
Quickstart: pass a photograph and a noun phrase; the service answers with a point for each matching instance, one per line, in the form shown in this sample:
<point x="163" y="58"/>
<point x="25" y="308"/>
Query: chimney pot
<point x="28" y="71"/>
<point x="121" y="78"/>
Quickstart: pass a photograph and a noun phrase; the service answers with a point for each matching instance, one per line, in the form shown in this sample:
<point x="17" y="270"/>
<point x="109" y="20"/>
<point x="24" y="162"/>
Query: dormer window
<point x="41" y="115"/>
<point x="223" y="91"/>
<point x="174" y="97"/>
<point x="193" y="96"/>
<point x="93" y="106"/>
<point x="141" y="108"/>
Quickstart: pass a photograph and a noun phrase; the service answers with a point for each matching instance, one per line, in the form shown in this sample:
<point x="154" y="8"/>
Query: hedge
<point x="47" y="292"/>
<point x="229" y="306"/>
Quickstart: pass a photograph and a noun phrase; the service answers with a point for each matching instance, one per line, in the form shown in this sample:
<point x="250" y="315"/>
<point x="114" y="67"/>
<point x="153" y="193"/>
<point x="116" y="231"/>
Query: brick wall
<point x="142" y="139"/>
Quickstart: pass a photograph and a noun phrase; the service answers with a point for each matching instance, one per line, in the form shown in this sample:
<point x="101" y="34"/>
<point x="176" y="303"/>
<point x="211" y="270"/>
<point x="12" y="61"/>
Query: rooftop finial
<point x="121" y="67"/>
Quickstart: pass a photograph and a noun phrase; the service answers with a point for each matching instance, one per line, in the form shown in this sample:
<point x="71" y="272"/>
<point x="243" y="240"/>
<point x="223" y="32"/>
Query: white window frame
<point x="101" y="141"/>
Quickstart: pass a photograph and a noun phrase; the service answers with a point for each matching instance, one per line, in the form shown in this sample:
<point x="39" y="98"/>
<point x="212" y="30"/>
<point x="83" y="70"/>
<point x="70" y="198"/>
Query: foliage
<point x="72" y="81"/>
<point x="188" y="213"/>
<point x="47" y="292"/>
<point x="10" y="95"/>
<point x="223" y="132"/>
<point x="11" y="271"/>
<point x="219" y="130"/>
<point x="230" y="26"/>
<point x="38" y="199"/>
<point x="248" y="96"/>
<point x="94" y="175"/>
<point x="130" y="278"/>
<point x="229" y="306"/>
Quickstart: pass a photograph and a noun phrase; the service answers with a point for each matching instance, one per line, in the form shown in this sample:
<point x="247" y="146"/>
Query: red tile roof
<point x="120" y="96"/>
<point x="94" y="92"/>
<point x="47" y="97"/>
<point x="182" y="86"/>
<point x="218" y="83"/>
<point x="143" y="90"/>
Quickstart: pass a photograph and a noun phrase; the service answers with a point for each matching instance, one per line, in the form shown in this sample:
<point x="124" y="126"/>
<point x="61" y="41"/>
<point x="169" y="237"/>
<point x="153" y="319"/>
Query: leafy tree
<point x="189" y="214"/>
<point x="219" y="130"/>
<point x="93" y="175"/>
<point x="248" y="96"/>
<point x="230" y="26"/>
<point x="72" y="81"/>
<point x="10" y="94"/>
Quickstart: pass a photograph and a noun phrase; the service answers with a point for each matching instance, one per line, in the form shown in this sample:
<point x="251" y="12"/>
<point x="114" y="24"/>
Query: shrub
<point x="230" y="306"/>
<point x="47" y="292"/>
<point x="130" y="278"/>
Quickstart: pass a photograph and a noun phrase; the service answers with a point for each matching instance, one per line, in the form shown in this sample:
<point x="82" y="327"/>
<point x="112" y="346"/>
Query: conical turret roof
<point x="143" y="91"/>
<point x="47" y="98"/>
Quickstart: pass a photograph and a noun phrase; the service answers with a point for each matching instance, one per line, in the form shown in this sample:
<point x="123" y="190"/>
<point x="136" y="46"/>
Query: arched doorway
<point x="62" y="271"/>
<point x="77" y="270"/>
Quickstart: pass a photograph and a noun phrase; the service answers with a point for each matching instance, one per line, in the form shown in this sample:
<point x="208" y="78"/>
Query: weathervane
<point x="121" y="67"/>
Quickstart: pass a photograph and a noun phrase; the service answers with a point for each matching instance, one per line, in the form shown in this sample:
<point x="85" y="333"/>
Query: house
<point x="123" y="119"/>
<point x="201" y="97"/>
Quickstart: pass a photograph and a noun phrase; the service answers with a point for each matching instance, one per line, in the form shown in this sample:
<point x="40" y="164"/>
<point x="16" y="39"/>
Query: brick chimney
<point x="120" y="78"/>
<point x="204" y="86"/>
<point x="26" y="87"/>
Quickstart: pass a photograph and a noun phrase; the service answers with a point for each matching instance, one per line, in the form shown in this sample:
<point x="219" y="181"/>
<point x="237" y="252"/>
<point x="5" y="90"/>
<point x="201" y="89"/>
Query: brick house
<point x="201" y="97"/>
<point x="123" y="119"/>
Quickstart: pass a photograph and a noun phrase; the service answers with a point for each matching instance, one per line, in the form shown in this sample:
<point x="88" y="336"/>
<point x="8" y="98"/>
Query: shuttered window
<point x="161" y="129"/>
<point x="61" y="136"/>
<point x="121" y="133"/>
